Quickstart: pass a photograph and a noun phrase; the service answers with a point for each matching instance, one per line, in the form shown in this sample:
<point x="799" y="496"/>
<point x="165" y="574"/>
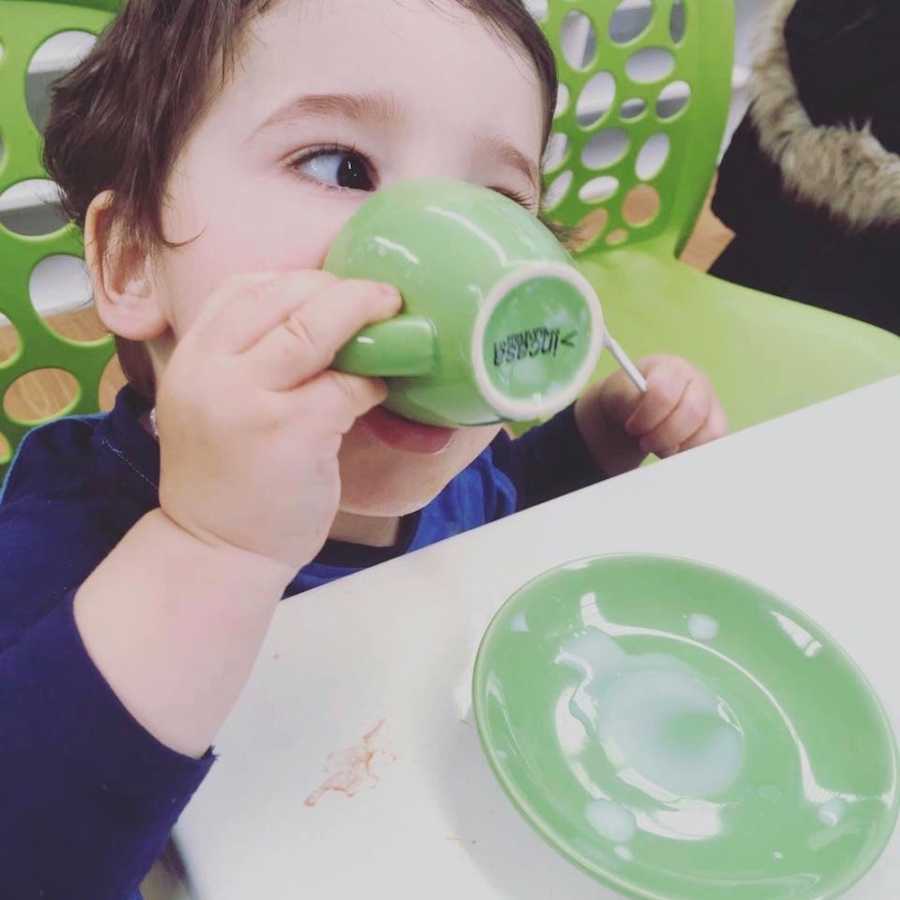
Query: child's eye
<point x="336" y="167"/>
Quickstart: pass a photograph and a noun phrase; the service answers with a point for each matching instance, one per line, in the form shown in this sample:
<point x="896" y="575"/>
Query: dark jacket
<point x="810" y="183"/>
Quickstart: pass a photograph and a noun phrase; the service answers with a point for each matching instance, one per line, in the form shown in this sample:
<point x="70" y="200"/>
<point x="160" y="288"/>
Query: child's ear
<point x="121" y="274"/>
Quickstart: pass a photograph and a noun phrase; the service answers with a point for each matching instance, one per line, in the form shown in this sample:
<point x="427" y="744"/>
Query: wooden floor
<point x="44" y="393"/>
<point x="709" y="239"/>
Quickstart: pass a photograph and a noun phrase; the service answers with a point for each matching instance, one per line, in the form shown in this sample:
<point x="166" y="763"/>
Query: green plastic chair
<point x="647" y="79"/>
<point x="24" y="27"/>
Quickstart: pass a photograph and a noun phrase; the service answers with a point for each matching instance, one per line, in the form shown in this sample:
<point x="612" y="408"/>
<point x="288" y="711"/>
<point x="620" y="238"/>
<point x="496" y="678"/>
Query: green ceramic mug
<point x="497" y="323"/>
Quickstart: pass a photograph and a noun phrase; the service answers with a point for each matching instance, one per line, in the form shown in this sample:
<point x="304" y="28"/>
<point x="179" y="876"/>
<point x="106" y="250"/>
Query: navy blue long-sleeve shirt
<point x="87" y="795"/>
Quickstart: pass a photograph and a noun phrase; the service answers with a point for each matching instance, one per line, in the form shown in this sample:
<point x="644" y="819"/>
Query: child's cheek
<point x="228" y="225"/>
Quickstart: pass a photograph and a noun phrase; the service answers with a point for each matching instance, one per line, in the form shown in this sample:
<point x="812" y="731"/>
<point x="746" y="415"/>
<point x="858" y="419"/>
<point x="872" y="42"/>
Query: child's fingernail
<point x="645" y="445"/>
<point x="383" y="289"/>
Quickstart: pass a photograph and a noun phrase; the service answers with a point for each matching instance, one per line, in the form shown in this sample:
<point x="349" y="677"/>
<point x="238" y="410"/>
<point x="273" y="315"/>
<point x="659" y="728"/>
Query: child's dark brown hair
<point x="119" y="120"/>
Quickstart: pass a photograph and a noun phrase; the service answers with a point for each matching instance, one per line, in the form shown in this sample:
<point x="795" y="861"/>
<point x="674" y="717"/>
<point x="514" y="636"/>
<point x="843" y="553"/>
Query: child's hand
<point x="621" y="426"/>
<point x="251" y="418"/>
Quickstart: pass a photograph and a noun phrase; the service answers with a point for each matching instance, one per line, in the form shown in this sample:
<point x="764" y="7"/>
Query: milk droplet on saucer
<point x="702" y="627"/>
<point x="518" y="623"/>
<point x="612" y="821"/>
<point x="832" y="812"/>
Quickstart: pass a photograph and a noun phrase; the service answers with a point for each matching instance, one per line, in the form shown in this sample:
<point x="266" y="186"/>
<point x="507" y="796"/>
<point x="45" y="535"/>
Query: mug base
<point x="537" y="340"/>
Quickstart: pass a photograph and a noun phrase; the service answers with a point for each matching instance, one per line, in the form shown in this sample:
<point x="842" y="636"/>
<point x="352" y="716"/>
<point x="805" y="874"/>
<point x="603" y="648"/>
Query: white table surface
<point x="806" y="506"/>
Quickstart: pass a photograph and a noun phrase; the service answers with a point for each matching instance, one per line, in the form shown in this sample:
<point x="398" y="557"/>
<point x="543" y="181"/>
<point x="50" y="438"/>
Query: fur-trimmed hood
<point x="844" y="170"/>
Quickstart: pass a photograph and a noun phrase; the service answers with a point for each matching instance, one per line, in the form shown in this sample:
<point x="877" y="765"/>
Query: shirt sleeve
<point x="547" y="461"/>
<point x="88" y="795"/>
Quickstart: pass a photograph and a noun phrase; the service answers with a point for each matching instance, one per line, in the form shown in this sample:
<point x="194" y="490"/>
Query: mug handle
<point x="400" y="347"/>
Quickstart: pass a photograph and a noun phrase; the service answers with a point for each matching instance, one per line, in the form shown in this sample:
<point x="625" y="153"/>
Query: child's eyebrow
<point x="355" y="107"/>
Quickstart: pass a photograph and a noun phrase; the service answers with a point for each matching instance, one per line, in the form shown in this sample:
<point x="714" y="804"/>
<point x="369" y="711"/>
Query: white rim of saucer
<point x="522" y="410"/>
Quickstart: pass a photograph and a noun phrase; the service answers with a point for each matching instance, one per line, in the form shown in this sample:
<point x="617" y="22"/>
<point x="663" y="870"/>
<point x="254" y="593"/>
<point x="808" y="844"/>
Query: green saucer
<point x="681" y="734"/>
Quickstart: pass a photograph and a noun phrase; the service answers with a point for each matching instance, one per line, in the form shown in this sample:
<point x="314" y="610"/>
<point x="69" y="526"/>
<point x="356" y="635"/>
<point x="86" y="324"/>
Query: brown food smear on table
<point x="353" y="768"/>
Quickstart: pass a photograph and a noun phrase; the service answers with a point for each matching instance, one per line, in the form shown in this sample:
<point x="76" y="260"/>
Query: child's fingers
<point x="246" y="307"/>
<point x="690" y="414"/>
<point x="715" y="426"/>
<point x="664" y="392"/>
<point x="306" y="341"/>
<point x="340" y="398"/>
